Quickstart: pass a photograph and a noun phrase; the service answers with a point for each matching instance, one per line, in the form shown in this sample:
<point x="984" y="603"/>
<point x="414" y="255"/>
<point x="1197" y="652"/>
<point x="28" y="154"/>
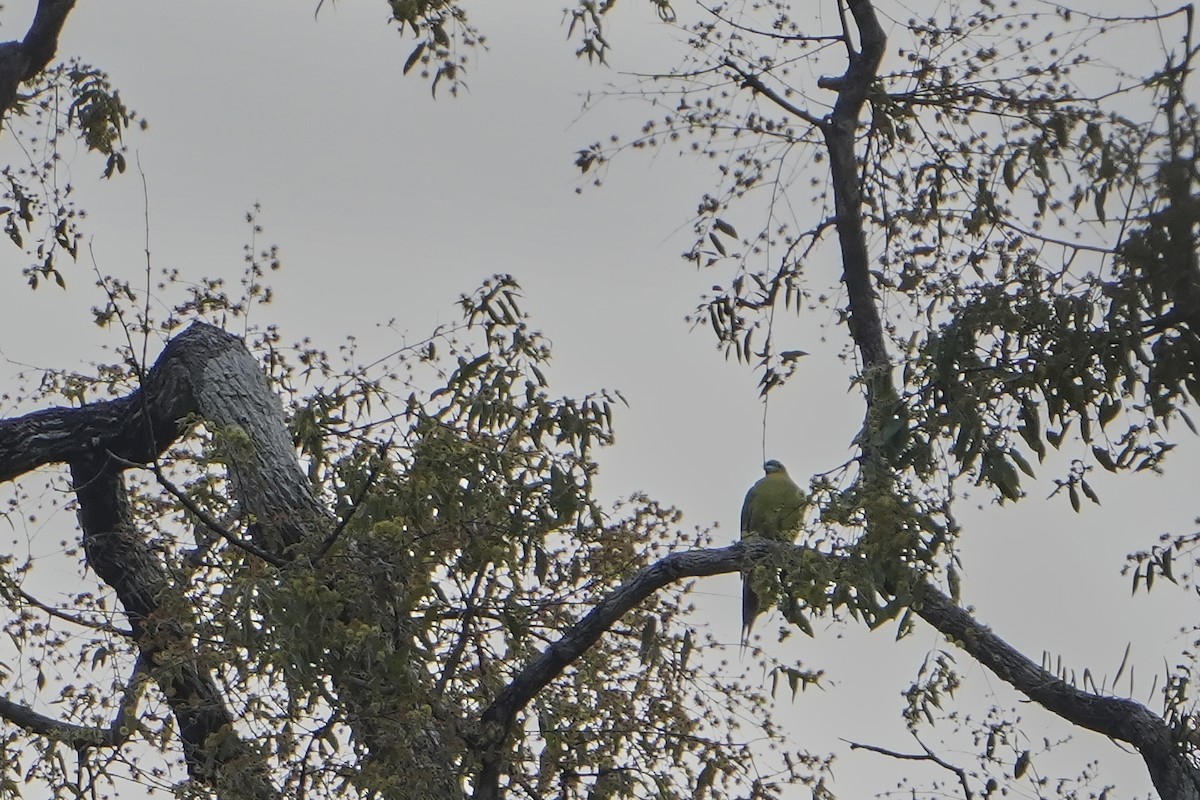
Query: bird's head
<point x="773" y="466"/>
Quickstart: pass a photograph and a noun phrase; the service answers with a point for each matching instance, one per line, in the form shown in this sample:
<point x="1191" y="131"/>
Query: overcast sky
<point x="387" y="204"/>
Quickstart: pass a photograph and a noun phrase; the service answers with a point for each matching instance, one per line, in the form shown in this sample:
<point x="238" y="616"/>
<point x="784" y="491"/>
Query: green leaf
<point x="649" y="643"/>
<point x="1124" y="658"/>
<point x="1030" y="435"/>
<point x="1010" y="172"/>
<point x="1021" y="463"/>
<point x="1022" y="764"/>
<point x="1108" y="411"/>
<point x="724" y="227"/>
<point x="1104" y="457"/>
<point x="1056" y="437"/>
<point x="413" y="57"/>
<point x="712" y="237"/>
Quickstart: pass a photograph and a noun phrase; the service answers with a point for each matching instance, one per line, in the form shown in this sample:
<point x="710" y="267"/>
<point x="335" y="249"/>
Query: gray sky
<point x="387" y="204"/>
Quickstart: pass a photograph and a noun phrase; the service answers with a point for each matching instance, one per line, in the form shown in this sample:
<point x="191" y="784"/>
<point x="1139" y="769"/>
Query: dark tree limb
<point x="840" y="135"/>
<point x="203" y="372"/>
<point x="499" y="717"/>
<point x="24" y="60"/>
<point x="1171" y="770"/>
<point x="1173" y="773"/>
<point x="215" y="754"/>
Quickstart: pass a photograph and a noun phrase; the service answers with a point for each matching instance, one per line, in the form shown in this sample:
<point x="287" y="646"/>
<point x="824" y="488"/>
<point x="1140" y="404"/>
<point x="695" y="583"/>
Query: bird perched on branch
<point x="772" y="510"/>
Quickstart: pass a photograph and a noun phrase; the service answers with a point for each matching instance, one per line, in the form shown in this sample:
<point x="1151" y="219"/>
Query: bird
<point x="771" y="510"/>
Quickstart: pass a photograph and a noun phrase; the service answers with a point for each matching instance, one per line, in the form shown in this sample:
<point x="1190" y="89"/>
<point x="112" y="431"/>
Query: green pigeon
<point x="772" y="510"/>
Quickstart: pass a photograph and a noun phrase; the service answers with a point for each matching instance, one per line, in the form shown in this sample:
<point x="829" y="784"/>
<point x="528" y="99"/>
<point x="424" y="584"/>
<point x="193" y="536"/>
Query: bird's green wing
<point x="746" y="506"/>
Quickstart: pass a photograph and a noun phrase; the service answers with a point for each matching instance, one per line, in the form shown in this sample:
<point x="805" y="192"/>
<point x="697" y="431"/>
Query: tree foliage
<point x="1012" y="205"/>
<point x="359" y="657"/>
<point x="307" y="576"/>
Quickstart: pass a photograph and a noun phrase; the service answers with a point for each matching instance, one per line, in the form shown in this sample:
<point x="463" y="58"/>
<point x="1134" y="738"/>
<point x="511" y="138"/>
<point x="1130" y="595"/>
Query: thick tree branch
<point x="203" y="371"/>
<point x="499" y="717"/>
<point x="1118" y="718"/>
<point x="24" y="60"/>
<point x="853" y="87"/>
<point x="215" y="754"/>
<point x="205" y="374"/>
<point x="136" y="428"/>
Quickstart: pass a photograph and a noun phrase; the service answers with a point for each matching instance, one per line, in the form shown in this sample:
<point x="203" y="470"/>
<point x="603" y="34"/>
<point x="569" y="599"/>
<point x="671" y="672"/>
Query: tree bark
<point x="24" y="60"/>
<point x="840" y="132"/>
<point x="1173" y="773"/>
<point x="202" y="373"/>
<point x="215" y="755"/>
<point x="205" y="374"/>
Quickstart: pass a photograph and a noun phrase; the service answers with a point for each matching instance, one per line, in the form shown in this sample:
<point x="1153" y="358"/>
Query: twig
<point x="202" y="515"/>
<point x="928" y="755"/>
<point x="356" y="503"/>
<point x="55" y="612"/>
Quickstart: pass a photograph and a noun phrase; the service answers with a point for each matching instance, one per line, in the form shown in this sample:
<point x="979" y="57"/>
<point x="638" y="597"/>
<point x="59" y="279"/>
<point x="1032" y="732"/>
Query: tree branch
<point x="928" y="755"/>
<point x="63" y="615"/>
<point x="81" y="736"/>
<point x="499" y="717"/>
<point x="136" y="428"/>
<point x="756" y="83"/>
<point x="203" y="371"/>
<point x="1115" y="717"/>
<point x="127" y="563"/>
<point x="853" y="87"/>
<point x="207" y="519"/>
<point x="24" y="60"/>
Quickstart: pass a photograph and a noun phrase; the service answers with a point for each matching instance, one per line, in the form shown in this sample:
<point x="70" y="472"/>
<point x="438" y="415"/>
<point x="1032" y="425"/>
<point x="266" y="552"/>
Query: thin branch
<point x="356" y="503"/>
<point x="24" y="60"/>
<point x="928" y="755"/>
<point x="455" y="656"/>
<point x="82" y="736"/>
<point x="53" y="611"/>
<point x="766" y="34"/>
<point x="207" y="519"/>
<point x="851" y="53"/>
<point x="754" y="82"/>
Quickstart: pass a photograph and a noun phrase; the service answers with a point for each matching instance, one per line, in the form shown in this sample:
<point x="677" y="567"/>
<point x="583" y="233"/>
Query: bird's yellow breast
<point x="773" y="508"/>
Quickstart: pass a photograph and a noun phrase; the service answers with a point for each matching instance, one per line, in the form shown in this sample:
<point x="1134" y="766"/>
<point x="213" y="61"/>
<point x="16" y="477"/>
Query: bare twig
<point x="72" y="618"/>
<point x="928" y="755"/>
<point x="199" y="513"/>
<point x="82" y="736"/>
<point x="756" y="83"/>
